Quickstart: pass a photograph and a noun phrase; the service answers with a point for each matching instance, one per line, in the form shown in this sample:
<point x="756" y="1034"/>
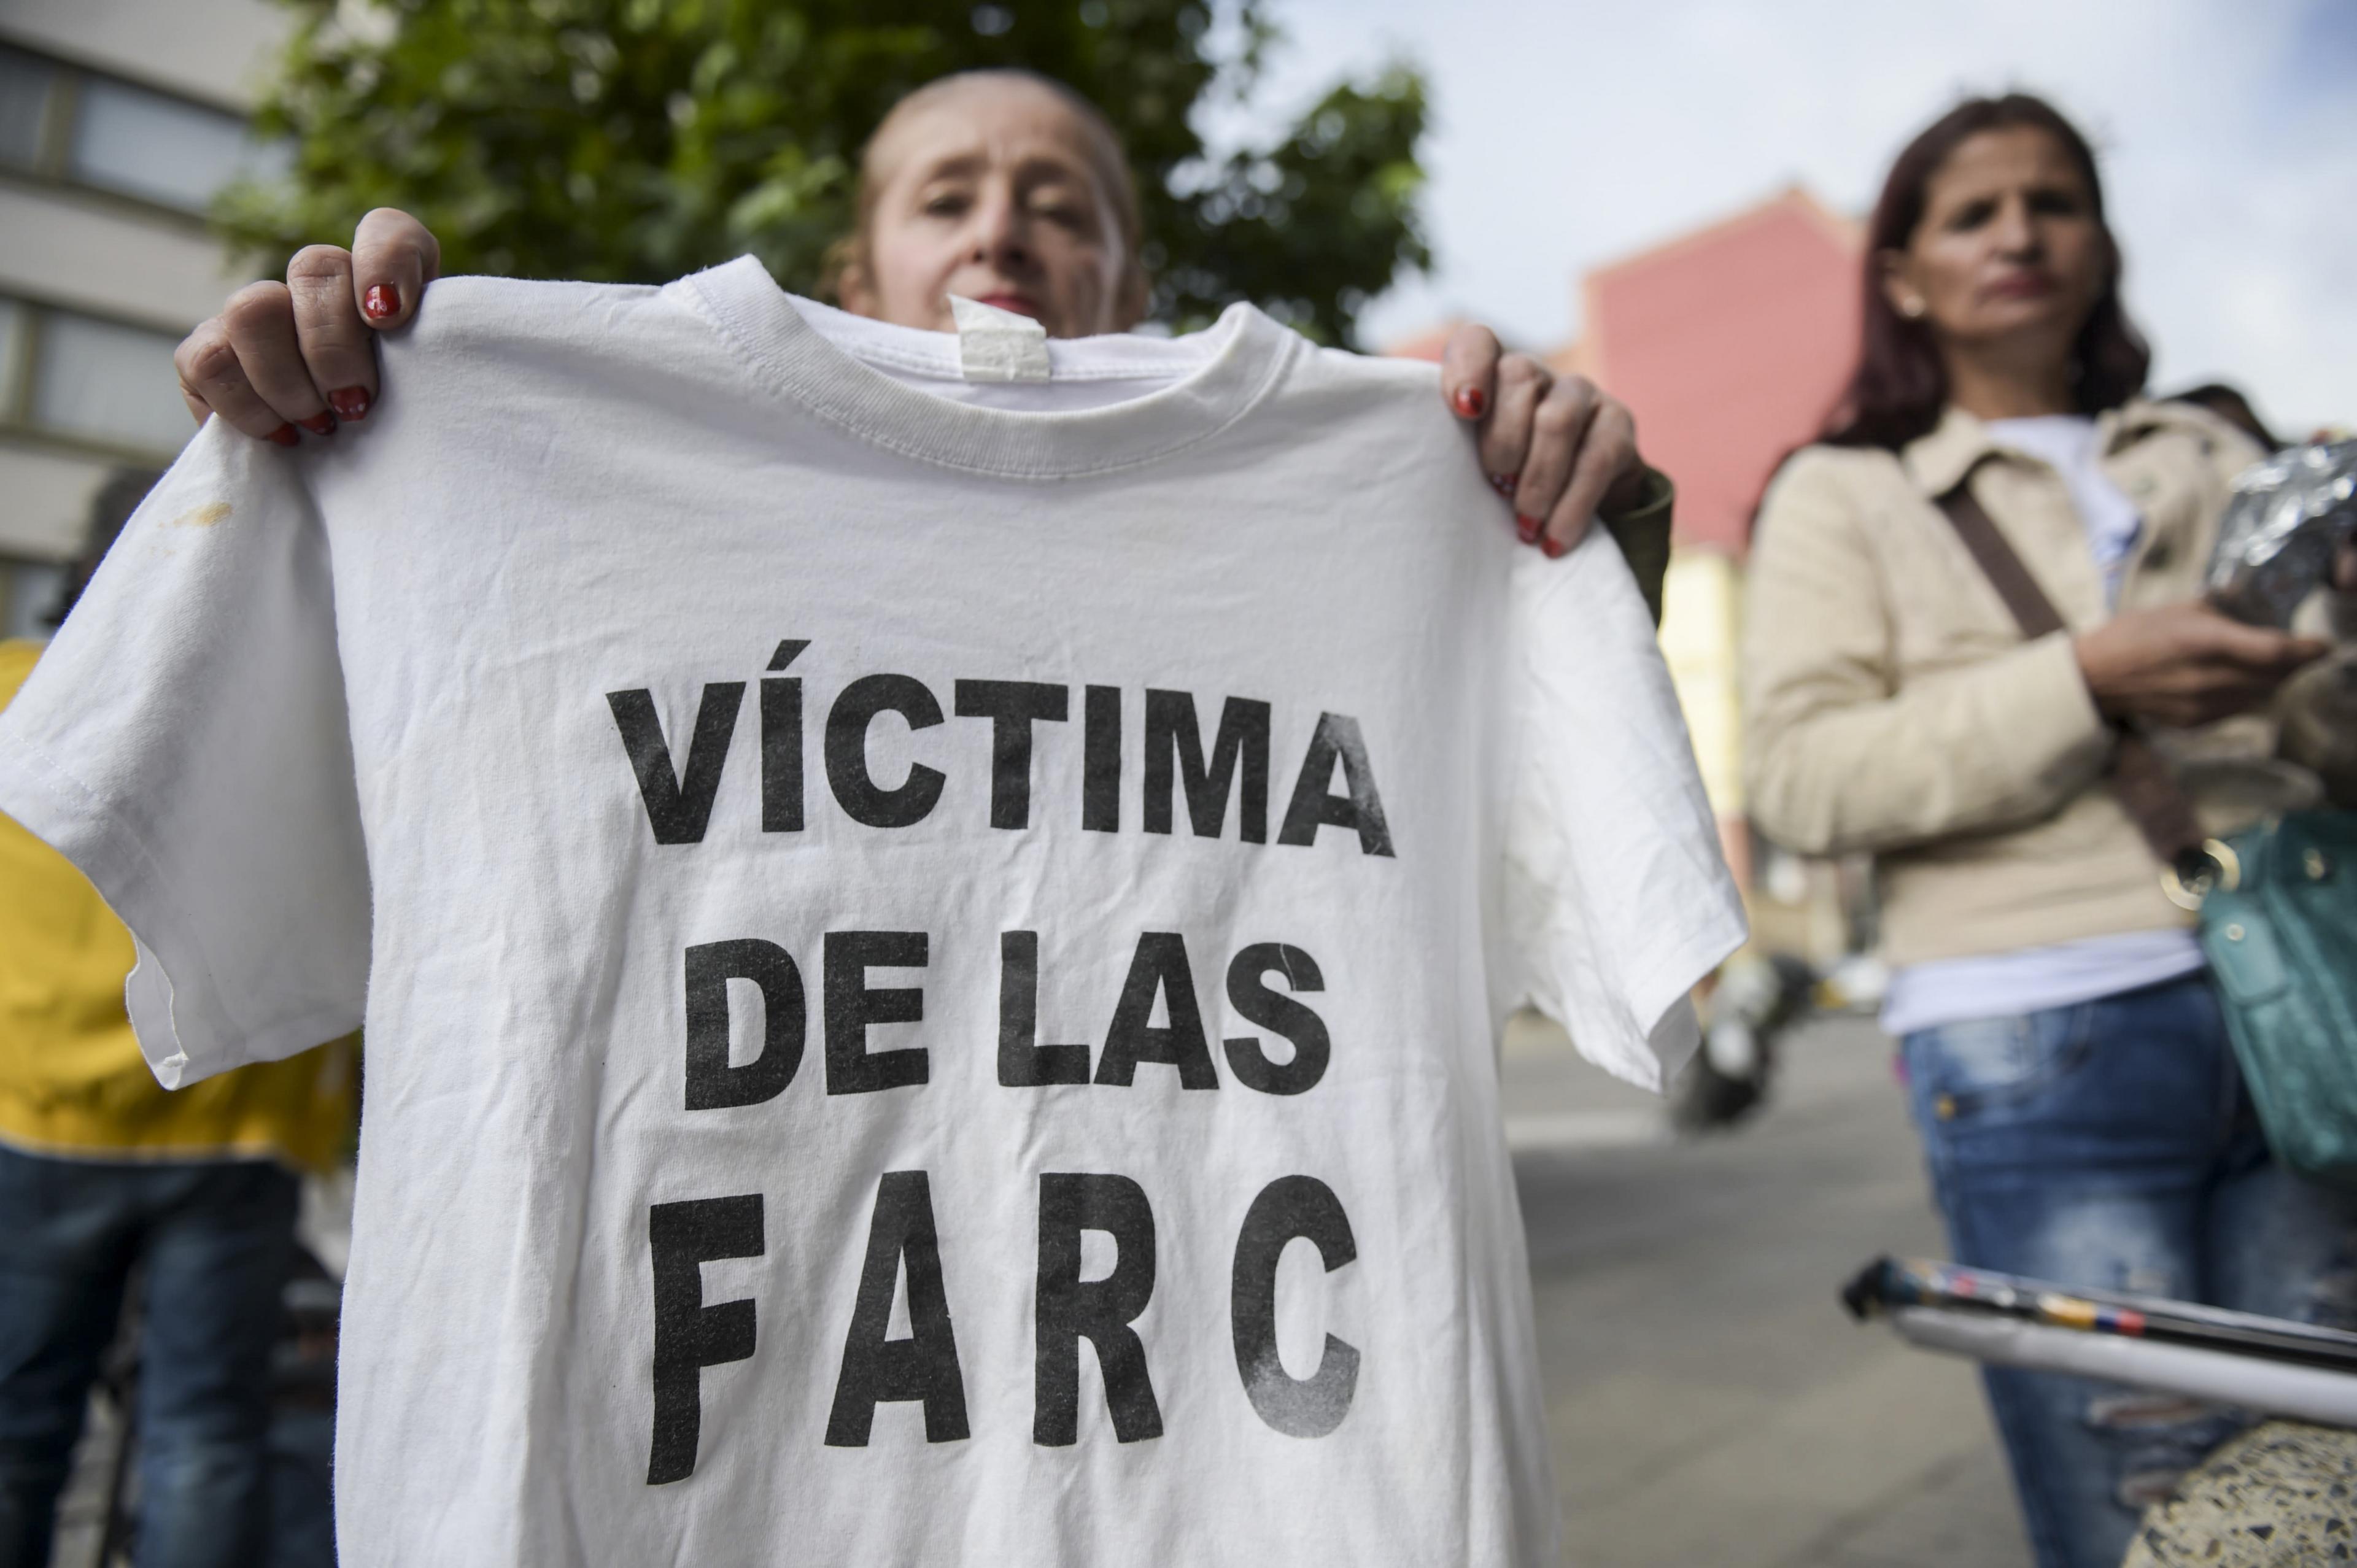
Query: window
<point x="107" y="382"/>
<point x="109" y="134"/>
<point x="14" y="334"/>
<point x="29" y="591"/>
<point x="24" y="83"/>
<point x="128" y="139"/>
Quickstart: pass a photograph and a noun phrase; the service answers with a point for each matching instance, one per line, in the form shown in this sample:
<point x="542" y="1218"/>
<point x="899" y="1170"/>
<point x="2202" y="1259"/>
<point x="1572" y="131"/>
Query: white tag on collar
<point x="996" y="345"/>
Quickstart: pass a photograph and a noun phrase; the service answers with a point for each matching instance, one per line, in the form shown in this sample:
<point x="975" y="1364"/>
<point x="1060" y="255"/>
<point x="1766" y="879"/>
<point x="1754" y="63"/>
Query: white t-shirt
<point x="883" y="917"/>
<point x="2068" y="443"/>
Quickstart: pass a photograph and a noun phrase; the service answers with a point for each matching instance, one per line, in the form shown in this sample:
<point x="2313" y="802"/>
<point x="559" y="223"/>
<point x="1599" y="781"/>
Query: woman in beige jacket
<point x="2068" y="1071"/>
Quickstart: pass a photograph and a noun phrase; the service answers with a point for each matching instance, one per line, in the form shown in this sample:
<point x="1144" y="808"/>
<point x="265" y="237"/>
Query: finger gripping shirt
<point x="930" y="950"/>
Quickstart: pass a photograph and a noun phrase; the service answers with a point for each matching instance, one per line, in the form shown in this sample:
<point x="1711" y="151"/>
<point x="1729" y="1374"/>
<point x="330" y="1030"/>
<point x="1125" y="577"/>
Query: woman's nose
<point x="998" y="233"/>
<point x="2017" y="232"/>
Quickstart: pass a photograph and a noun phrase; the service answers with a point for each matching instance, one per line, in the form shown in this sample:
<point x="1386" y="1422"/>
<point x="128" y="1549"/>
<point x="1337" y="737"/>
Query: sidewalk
<point x="1709" y="1401"/>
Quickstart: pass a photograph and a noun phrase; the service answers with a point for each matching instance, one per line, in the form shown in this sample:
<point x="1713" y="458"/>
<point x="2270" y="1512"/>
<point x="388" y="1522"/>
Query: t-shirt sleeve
<point x="1617" y="898"/>
<point x="184" y="742"/>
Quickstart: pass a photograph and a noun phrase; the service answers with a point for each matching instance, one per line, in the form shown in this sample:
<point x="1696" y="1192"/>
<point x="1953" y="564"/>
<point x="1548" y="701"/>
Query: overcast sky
<point x="1569" y="134"/>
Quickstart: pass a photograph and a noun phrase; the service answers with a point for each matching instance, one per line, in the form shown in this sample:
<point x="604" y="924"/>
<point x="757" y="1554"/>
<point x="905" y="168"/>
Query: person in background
<point x="2064" y="1053"/>
<point x="1000" y="186"/>
<point x="2229" y="403"/>
<point x="109" y="1183"/>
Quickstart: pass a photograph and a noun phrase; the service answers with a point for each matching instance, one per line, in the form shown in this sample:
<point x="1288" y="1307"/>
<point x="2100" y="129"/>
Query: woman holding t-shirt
<point x="1005" y="189"/>
<point x="999" y="186"/>
<point x="2063" y="1049"/>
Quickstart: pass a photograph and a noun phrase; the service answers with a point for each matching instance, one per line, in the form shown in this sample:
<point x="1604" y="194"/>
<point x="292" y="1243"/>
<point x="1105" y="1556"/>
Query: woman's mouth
<point x="2022" y="285"/>
<point x="1020" y="304"/>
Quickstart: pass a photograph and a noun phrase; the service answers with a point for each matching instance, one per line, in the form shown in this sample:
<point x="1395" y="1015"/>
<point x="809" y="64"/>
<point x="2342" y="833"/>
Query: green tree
<point x="634" y="140"/>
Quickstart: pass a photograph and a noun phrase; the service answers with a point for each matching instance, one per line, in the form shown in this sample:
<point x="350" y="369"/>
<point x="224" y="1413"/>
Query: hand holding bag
<point x="2277" y="905"/>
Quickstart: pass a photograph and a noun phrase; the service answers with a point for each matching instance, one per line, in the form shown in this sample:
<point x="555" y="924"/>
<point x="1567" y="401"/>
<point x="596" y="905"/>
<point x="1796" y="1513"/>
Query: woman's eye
<point x="948" y="204"/>
<point x="2055" y="204"/>
<point x="1971" y="216"/>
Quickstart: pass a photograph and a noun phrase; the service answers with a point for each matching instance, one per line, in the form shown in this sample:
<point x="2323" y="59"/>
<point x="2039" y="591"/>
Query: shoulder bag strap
<point x="2139" y="775"/>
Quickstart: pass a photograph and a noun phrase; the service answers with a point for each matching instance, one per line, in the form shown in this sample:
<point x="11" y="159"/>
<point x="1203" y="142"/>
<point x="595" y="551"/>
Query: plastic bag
<point x="2276" y="544"/>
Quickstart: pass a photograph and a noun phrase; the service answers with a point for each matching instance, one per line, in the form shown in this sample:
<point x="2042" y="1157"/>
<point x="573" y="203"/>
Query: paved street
<point x="1711" y="1403"/>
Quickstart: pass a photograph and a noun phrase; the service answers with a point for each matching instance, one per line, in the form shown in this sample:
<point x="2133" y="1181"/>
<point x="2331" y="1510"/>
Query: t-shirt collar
<point x="812" y="355"/>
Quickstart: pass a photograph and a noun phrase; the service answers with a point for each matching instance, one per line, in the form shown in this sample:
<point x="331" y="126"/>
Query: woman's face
<point x="988" y="191"/>
<point x="2008" y="249"/>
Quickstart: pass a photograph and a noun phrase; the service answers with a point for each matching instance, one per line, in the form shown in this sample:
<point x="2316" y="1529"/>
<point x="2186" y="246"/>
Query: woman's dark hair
<point x="110" y="507"/>
<point x="1900" y="387"/>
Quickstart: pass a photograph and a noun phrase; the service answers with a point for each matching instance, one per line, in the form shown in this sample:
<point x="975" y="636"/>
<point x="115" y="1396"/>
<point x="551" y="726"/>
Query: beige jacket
<point x="1892" y="705"/>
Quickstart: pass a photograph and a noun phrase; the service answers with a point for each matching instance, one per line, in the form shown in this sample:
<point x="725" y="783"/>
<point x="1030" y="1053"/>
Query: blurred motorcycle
<point x="1746" y="1009"/>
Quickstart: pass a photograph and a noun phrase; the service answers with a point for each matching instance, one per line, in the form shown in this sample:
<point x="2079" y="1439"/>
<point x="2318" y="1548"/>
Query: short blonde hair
<point x="1108" y="161"/>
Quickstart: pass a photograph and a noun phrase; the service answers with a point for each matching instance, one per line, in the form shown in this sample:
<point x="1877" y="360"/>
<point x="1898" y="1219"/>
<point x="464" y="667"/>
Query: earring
<point x="1912" y="309"/>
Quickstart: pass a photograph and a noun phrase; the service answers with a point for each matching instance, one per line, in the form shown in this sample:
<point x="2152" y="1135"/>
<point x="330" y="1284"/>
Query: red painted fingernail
<point x="320" y="424"/>
<point x="351" y="404"/>
<point x="1528" y="527"/>
<point x="285" y="435"/>
<point x="381" y="301"/>
<point x="1554" y="548"/>
<point x="1504" y="484"/>
<point x="1470" y="402"/>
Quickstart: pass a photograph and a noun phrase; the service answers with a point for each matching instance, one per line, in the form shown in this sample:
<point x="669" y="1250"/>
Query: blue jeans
<point x="2110" y="1144"/>
<point x="213" y="1241"/>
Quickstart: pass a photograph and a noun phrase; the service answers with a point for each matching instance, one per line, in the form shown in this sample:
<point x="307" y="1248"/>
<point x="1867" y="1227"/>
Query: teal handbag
<point x="2280" y="923"/>
<point x="2278" y="908"/>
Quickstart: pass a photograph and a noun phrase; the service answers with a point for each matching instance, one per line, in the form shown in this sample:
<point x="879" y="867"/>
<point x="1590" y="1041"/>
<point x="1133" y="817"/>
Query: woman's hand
<point x="2187" y="664"/>
<point x="1559" y="448"/>
<point x="303" y="352"/>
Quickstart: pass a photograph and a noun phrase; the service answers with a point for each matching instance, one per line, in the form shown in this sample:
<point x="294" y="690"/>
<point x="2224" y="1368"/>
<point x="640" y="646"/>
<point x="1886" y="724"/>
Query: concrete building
<point x="1730" y="343"/>
<point x="119" y="119"/>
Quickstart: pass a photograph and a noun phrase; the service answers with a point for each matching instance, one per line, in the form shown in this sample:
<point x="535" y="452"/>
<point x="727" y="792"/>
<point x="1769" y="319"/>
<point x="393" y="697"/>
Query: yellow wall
<point x="1702" y="608"/>
<point x="1702" y="627"/>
